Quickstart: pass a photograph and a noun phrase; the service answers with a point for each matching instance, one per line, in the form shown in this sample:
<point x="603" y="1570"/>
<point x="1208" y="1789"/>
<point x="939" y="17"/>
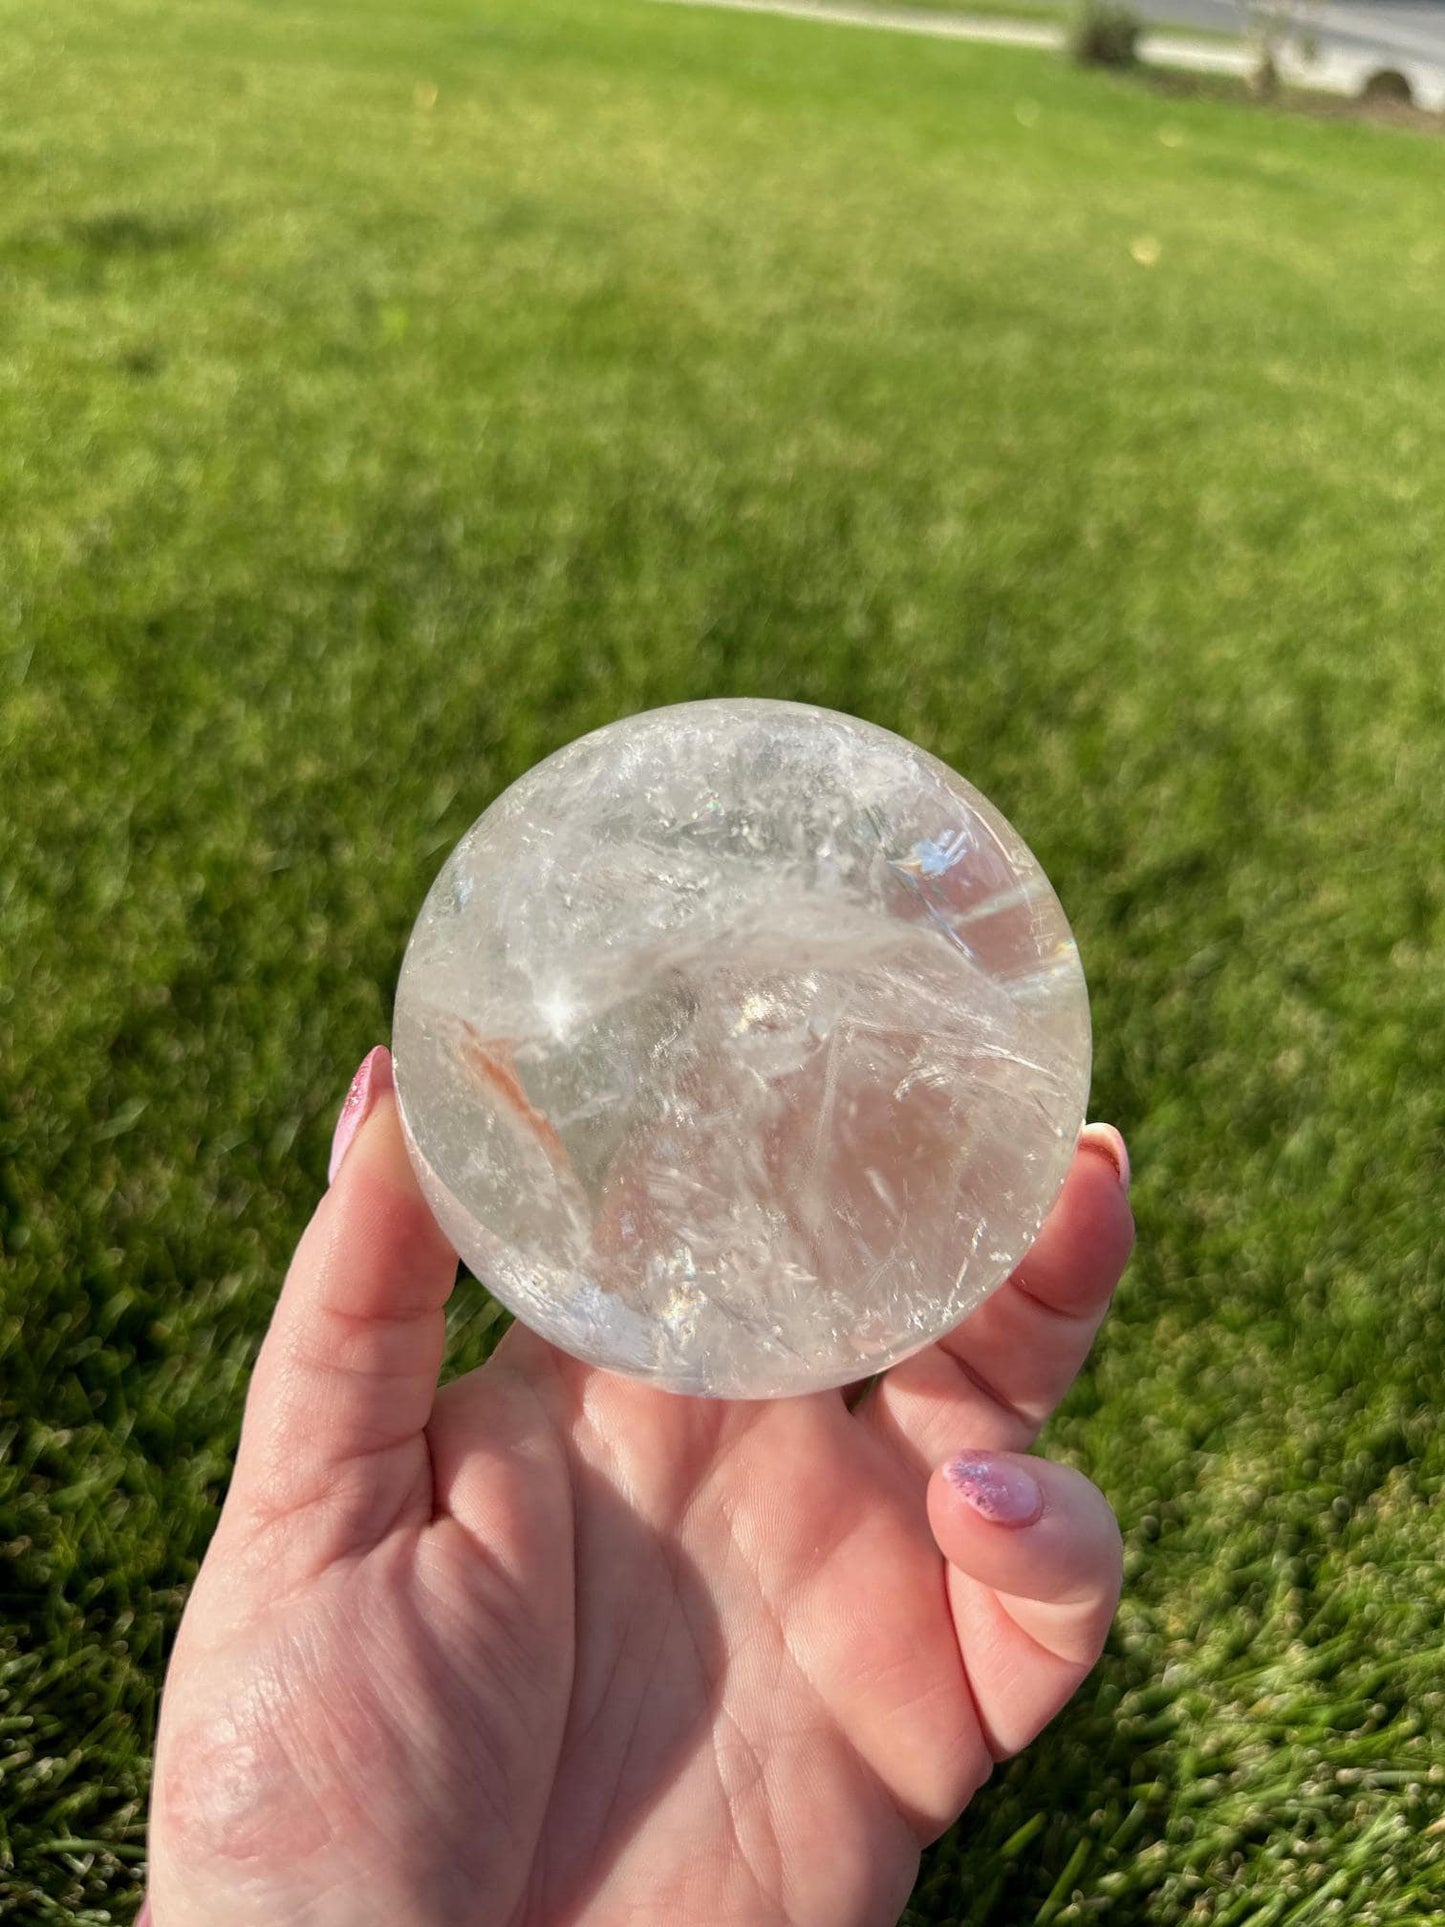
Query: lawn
<point x="388" y="395"/>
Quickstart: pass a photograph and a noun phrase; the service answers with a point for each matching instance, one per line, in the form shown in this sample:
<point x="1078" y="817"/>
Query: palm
<point x="734" y="1689"/>
<point x="582" y="1650"/>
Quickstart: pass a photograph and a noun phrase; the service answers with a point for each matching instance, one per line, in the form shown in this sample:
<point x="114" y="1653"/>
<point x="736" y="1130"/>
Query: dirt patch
<point x="1384" y="110"/>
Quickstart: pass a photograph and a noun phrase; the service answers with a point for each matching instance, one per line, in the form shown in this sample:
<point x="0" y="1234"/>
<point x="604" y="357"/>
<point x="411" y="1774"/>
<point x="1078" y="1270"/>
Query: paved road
<point x="1397" y="31"/>
<point x="1353" y="43"/>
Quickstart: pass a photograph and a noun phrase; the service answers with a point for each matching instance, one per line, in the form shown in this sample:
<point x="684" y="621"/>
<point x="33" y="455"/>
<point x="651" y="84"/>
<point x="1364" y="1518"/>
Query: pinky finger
<point x="1035" y="1564"/>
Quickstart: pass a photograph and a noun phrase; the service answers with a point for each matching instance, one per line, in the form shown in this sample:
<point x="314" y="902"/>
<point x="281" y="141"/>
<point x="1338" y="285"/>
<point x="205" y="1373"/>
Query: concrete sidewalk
<point x="1335" y="68"/>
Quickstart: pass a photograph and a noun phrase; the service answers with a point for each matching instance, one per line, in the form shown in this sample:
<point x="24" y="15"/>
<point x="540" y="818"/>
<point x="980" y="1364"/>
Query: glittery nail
<point x="997" y="1489"/>
<point x="372" y="1081"/>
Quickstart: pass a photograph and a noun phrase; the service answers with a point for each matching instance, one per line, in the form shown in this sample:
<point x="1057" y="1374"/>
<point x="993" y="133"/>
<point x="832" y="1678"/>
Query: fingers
<point x="1035" y="1563"/>
<point x="345" y="1380"/>
<point x="995" y="1378"/>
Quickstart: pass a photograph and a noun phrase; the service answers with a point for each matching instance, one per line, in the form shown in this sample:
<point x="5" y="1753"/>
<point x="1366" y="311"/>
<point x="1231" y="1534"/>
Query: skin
<point x="548" y="1646"/>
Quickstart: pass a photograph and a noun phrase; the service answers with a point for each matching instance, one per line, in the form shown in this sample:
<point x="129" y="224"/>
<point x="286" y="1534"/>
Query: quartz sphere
<point x="741" y="1047"/>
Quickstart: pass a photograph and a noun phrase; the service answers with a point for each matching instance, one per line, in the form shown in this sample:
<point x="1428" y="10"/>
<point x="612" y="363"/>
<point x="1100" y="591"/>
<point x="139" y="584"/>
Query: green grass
<point x="388" y="395"/>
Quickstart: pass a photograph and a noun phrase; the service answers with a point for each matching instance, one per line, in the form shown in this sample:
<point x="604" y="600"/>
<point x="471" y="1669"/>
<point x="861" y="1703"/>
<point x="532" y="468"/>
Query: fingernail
<point x="143" y="1918"/>
<point x="372" y="1081"/>
<point x="1104" y="1139"/>
<point x="997" y="1489"/>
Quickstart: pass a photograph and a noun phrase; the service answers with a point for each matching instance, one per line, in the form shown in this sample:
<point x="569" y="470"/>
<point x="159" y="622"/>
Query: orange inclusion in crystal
<point x="491" y="1063"/>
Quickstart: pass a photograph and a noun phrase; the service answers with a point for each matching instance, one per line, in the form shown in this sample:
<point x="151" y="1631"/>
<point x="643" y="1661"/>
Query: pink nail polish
<point x="997" y="1489"/>
<point x="1109" y="1143"/>
<point x="143" y="1918"/>
<point x="372" y="1081"/>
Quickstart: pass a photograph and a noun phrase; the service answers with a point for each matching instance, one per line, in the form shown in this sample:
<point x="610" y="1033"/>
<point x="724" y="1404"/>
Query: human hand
<point x="548" y="1645"/>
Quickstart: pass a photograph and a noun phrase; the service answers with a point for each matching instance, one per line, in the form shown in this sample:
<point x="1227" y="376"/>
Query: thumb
<point x="344" y="1383"/>
<point x="1035" y="1566"/>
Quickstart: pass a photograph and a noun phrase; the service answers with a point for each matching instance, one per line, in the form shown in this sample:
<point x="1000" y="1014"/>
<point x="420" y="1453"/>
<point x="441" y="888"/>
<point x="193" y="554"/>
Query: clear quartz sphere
<point x="741" y="1047"/>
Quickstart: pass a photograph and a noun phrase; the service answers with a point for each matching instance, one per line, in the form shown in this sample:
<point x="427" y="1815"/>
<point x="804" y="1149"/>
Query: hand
<point x="550" y="1646"/>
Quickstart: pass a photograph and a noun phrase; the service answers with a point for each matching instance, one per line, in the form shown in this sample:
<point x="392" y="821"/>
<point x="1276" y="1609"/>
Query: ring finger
<point x="993" y="1381"/>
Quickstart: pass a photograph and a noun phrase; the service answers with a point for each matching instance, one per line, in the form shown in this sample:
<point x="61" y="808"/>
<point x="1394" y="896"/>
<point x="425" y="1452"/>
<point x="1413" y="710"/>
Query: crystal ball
<point x="741" y="1047"/>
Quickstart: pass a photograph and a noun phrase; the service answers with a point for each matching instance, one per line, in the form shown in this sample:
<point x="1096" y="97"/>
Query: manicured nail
<point x="143" y="1918"/>
<point x="1109" y="1143"/>
<point x="997" y="1489"/>
<point x="371" y="1082"/>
